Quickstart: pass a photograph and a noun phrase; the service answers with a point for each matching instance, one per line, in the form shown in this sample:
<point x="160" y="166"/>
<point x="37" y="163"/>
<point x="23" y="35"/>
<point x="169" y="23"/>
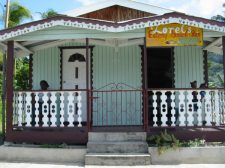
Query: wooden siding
<point x="46" y="66"/>
<point x="122" y="66"/>
<point x="188" y="66"/>
<point x="108" y="65"/>
<point x="113" y="69"/>
<point x="116" y="13"/>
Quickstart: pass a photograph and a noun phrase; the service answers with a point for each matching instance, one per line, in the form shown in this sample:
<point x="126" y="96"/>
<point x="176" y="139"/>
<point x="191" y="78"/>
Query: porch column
<point x="87" y="86"/>
<point x="206" y="75"/>
<point x="30" y="71"/>
<point x="145" y="92"/>
<point x="9" y="88"/>
<point x="223" y="44"/>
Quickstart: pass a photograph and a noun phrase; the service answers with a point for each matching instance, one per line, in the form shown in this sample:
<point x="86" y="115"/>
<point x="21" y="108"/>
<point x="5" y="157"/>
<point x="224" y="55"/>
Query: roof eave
<point x="112" y="27"/>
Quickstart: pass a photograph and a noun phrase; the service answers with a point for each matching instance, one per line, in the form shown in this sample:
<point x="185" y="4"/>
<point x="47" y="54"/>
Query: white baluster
<point x="36" y="109"/>
<point x="62" y="110"/>
<point x="20" y="107"/>
<point x="213" y="113"/>
<point x="163" y="108"/>
<point x="23" y="107"/>
<point x="172" y="97"/>
<point x="79" y="105"/>
<point x="182" y="108"/>
<point x="45" y="109"/>
<point x="208" y="110"/>
<point x="190" y="108"/>
<point x="53" y="109"/>
<point x="28" y="109"/>
<point x="216" y="104"/>
<point x="70" y="109"/>
<point x="15" y="108"/>
<point x="154" y="97"/>
<point x="200" y="110"/>
<point x="222" y="107"/>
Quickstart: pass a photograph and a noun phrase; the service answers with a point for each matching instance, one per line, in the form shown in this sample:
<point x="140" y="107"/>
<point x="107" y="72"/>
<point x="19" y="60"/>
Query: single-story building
<point x="114" y="66"/>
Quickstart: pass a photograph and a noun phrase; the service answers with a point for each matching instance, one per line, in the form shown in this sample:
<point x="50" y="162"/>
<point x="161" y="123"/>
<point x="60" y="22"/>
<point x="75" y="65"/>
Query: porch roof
<point x="112" y="27"/>
<point x="55" y="30"/>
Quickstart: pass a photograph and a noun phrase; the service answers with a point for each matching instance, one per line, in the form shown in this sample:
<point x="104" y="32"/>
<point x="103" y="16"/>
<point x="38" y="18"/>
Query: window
<point x="76" y="57"/>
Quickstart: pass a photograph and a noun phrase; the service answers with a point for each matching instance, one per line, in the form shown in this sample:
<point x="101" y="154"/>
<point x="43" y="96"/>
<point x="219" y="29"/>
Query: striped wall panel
<point x="112" y="68"/>
<point x="188" y="66"/>
<point x="122" y="65"/>
<point x="46" y="66"/>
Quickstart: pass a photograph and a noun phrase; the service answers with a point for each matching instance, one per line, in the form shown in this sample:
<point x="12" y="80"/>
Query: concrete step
<point x="117" y="159"/>
<point x="117" y="147"/>
<point x="116" y="136"/>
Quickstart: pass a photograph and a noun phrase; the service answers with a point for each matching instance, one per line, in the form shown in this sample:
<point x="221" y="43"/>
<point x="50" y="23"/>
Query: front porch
<point x="102" y="81"/>
<point x="174" y="109"/>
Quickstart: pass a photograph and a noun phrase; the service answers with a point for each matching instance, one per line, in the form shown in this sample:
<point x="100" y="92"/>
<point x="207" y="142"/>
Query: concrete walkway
<point x="35" y="165"/>
<point x="166" y="166"/>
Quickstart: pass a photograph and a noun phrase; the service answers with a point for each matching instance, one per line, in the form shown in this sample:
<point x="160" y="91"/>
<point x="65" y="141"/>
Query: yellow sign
<point x="174" y="35"/>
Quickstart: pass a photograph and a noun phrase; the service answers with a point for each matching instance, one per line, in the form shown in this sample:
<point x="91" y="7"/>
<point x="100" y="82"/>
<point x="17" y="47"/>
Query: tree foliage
<point x="22" y="74"/>
<point x="1" y="61"/>
<point x="219" y="18"/>
<point x="215" y="71"/>
<point x="18" y="13"/>
<point x="49" y="13"/>
<point x="215" y="68"/>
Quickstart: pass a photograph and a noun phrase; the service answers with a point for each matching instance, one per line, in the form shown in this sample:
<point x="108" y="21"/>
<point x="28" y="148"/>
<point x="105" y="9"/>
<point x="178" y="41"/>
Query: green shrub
<point x="164" y="141"/>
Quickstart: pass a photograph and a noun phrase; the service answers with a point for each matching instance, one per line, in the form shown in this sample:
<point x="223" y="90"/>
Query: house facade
<point x="103" y="77"/>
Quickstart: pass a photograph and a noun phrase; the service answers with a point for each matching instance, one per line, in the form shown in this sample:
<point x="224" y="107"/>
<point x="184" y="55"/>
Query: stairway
<point x="117" y="148"/>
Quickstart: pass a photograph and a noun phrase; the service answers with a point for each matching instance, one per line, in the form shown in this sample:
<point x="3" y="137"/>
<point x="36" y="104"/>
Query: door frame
<point x="172" y="63"/>
<point x="90" y="60"/>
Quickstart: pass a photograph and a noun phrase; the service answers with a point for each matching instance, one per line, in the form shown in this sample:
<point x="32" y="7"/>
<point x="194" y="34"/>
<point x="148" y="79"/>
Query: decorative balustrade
<point x="49" y="108"/>
<point x="186" y="107"/>
<point x="175" y="107"/>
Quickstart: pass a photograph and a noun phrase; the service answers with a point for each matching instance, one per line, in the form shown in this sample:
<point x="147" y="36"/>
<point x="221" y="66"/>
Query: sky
<point x="202" y="8"/>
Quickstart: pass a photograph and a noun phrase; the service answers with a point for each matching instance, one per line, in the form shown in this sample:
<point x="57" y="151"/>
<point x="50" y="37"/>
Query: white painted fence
<point x="183" y="107"/>
<point x="186" y="107"/>
<point x="48" y="109"/>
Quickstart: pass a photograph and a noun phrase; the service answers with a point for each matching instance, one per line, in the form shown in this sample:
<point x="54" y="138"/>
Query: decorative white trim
<point x="116" y="27"/>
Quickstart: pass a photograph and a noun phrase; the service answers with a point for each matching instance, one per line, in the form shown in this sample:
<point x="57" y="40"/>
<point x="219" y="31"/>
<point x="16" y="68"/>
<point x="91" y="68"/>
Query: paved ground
<point x="165" y="166"/>
<point x="35" y="165"/>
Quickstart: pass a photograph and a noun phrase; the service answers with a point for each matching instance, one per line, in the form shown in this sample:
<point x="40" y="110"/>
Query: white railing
<point x="185" y="107"/>
<point x="49" y="108"/>
<point x="178" y="107"/>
